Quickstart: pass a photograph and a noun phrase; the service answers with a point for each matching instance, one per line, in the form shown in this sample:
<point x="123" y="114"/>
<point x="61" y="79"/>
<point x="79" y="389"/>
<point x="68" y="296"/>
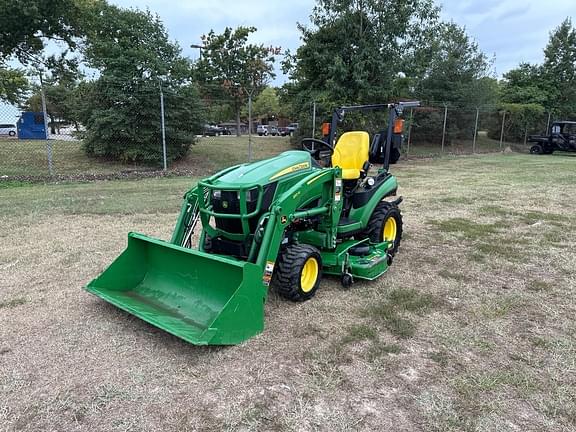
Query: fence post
<point x="502" y="131"/>
<point x="444" y="127"/>
<point x="250" y="126"/>
<point x="409" y="132"/>
<point x="475" y="131"/>
<point x="45" y="115"/>
<point x="162" y="125"/>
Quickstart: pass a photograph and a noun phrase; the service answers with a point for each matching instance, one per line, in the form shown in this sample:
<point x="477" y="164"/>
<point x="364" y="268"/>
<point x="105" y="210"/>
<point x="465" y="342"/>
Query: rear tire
<point x="12" y="133"/>
<point x="536" y="149"/>
<point x="385" y="225"/>
<point x="298" y="272"/>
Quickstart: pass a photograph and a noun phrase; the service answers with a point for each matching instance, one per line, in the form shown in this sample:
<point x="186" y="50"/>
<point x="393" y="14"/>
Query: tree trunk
<point x="238" y="121"/>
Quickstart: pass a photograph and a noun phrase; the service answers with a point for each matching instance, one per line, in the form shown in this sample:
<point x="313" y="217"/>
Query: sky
<point x="513" y="31"/>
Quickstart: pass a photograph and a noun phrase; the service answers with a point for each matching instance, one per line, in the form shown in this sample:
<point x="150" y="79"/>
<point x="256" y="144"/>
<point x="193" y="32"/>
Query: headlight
<point x="217" y="194"/>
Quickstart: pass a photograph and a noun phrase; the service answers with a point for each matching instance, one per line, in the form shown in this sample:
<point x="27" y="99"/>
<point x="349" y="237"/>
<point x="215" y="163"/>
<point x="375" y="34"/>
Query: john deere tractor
<point x="284" y="221"/>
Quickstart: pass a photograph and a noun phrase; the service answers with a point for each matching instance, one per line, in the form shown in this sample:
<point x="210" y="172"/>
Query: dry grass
<point x="491" y="343"/>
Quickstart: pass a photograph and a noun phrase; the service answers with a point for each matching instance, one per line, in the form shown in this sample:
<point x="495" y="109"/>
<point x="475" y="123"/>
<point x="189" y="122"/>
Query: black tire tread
<point x="286" y="278"/>
<point x="373" y="231"/>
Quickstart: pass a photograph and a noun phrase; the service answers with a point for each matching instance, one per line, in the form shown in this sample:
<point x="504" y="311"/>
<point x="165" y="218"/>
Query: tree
<point x="26" y="28"/>
<point x="61" y="76"/>
<point x="352" y="53"/>
<point x="121" y="109"/>
<point x="520" y="120"/>
<point x="457" y="70"/>
<point x="523" y="85"/>
<point x="267" y="103"/>
<point x="27" y="25"/>
<point x="230" y="67"/>
<point x="457" y="75"/>
<point x="354" y="49"/>
<point x="13" y="84"/>
<point x="559" y="69"/>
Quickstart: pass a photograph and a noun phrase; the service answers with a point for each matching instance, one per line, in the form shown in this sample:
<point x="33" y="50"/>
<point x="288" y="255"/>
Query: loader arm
<point x="325" y="187"/>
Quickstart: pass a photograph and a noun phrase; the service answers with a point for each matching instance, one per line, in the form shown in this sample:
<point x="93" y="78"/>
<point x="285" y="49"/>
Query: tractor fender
<point x="362" y="214"/>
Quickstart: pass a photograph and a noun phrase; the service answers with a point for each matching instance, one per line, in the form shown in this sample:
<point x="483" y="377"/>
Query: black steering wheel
<point x="317" y="148"/>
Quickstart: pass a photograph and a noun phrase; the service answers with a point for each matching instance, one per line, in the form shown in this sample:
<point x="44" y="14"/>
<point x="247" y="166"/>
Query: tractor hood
<point x="290" y="163"/>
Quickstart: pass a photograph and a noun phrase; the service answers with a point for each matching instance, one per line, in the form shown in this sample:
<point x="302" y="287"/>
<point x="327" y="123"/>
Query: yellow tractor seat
<point x="351" y="153"/>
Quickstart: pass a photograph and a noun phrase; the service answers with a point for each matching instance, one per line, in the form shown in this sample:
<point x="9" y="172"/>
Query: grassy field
<point x="28" y="157"/>
<point x="472" y="329"/>
<point x="457" y="147"/>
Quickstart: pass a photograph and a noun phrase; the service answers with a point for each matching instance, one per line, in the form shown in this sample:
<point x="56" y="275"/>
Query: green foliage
<point x="267" y="104"/>
<point x="523" y="85"/>
<point x="520" y="118"/>
<point x="353" y="50"/>
<point x="13" y="84"/>
<point x="232" y="68"/>
<point x="59" y="84"/>
<point x="26" y="24"/>
<point x="527" y="91"/>
<point x="559" y="69"/>
<point x="457" y="72"/>
<point x="121" y="109"/>
<point x="456" y="75"/>
<point x="354" y="53"/>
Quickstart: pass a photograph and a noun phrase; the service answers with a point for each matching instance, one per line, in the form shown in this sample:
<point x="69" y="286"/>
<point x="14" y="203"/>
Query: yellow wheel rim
<point x="390" y="230"/>
<point x="309" y="275"/>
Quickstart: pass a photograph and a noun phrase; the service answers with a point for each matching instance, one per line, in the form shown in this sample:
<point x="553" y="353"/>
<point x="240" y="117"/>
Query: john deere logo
<point x="225" y="204"/>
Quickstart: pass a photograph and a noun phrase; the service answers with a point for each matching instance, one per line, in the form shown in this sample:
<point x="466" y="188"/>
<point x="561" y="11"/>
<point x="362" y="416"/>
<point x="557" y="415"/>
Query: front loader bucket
<point x="201" y="298"/>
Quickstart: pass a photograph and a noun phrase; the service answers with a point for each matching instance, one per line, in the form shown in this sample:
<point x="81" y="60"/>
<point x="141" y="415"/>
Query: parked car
<point x="225" y="130"/>
<point x="8" y="129"/>
<point x="211" y="130"/>
<point x="265" y="130"/>
<point x="262" y="130"/>
<point x="283" y="131"/>
<point x="292" y="127"/>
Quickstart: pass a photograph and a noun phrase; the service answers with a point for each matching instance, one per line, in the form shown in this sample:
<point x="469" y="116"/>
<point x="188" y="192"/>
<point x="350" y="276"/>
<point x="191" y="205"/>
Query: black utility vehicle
<point x="561" y="137"/>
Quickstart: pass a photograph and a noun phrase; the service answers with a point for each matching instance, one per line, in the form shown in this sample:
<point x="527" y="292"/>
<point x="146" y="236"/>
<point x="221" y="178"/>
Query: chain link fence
<point x="122" y="129"/>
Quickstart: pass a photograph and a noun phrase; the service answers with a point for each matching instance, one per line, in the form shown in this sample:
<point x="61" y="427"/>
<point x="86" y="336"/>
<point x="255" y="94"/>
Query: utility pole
<point x="45" y="115"/>
<point x="444" y="127"/>
<point x="314" y="119"/>
<point x="163" y="127"/>
<point x="548" y="122"/>
<point x="475" y="131"/>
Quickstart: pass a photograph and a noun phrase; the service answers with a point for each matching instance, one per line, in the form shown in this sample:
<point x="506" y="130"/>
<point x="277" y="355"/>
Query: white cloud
<point x="513" y="30"/>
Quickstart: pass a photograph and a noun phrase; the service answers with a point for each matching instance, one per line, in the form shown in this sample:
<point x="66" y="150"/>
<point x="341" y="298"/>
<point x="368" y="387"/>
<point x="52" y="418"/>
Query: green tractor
<point x="284" y="221"/>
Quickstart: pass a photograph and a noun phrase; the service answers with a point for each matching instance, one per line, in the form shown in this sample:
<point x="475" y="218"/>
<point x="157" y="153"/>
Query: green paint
<point x="207" y="298"/>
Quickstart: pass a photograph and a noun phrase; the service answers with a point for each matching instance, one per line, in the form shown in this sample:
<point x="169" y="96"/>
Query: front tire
<point x="298" y="272"/>
<point x="12" y="133"/>
<point x="385" y="225"/>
